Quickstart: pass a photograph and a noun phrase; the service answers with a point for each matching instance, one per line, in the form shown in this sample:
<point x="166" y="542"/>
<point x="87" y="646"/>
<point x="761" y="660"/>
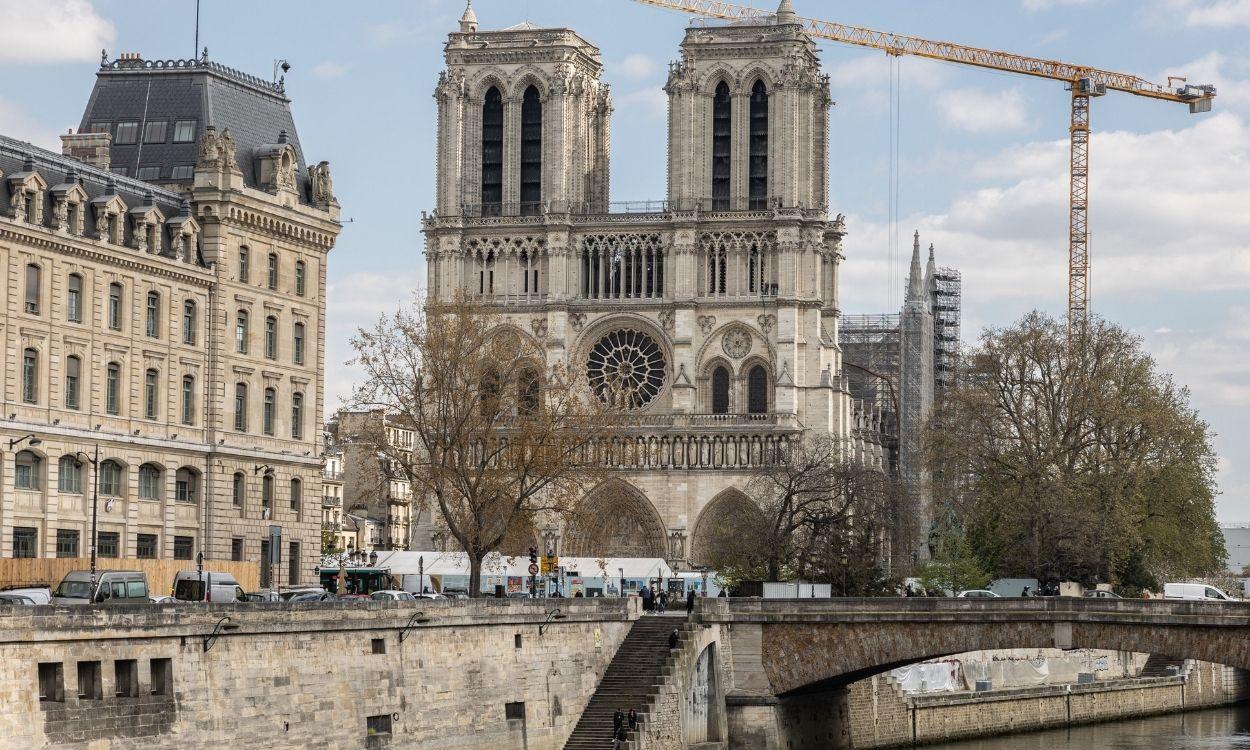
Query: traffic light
<point x="533" y="555"/>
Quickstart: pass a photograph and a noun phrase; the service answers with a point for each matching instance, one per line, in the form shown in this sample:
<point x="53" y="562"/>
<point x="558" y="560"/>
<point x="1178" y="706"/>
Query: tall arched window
<point x="73" y="381"/>
<point x="297" y="343"/>
<point x="297" y="416"/>
<point x="300" y="271"/>
<point x="186" y="485"/>
<point x="240" y="332"/>
<point x="239" y="488"/>
<point x="115" y="307"/>
<point x="153" y="326"/>
<point x="189" y="323"/>
<point x="150" y="480"/>
<point x="527" y="391"/>
<point x="28" y="471"/>
<point x="30" y="376"/>
<point x="757" y="171"/>
<point x="188" y="400"/>
<point x="266" y="491"/>
<point x="297" y="491"/>
<point x="112" y="388"/>
<point x="271" y="337"/>
<point x="721" y="128"/>
<point x="69" y="475"/>
<point x="271" y="276"/>
<point x="33" y="273"/>
<point x="720" y="390"/>
<point x="73" y="298"/>
<point x="492" y="153"/>
<point x="757" y="390"/>
<point x="531" y="152"/>
<point x="150" y="393"/>
<point x="112" y="479"/>
<point x="267" y="417"/>
<point x="240" y="407"/>
<point x="244" y="265"/>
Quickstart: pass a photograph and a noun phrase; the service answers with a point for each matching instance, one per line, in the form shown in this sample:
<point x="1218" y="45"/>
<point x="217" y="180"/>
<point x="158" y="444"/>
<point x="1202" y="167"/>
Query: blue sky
<point x="983" y="169"/>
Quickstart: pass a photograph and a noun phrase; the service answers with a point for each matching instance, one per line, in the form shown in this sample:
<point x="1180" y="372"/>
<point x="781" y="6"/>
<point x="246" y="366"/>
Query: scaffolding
<point x="946" y="303"/>
<point x="871" y="347"/>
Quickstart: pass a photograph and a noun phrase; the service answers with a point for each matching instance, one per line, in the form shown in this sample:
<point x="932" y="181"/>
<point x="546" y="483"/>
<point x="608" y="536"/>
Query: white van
<point x="1194" y="592"/>
<point x="209" y="586"/>
<point x="112" y="587"/>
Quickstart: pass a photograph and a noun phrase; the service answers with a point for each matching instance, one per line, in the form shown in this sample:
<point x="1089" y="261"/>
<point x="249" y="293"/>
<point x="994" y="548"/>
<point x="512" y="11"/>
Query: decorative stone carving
<point x="767" y="322"/>
<point x="677" y="544"/>
<point x="707" y="323"/>
<point x="626" y="369"/>
<point x="577" y="321"/>
<point x="539" y="326"/>
<point x="737" y="343"/>
<point x="217" y="151"/>
<point x="322" y="184"/>
<point x="668" y="320"/>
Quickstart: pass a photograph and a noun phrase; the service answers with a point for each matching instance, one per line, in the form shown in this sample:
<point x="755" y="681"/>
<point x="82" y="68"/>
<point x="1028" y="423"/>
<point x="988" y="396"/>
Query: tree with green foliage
<point x="1073" y="457"/>
<point x="954" y="566"/>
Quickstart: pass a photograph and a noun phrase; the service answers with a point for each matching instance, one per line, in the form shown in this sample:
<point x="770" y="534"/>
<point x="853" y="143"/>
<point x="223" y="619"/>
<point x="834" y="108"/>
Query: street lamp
<point x="95" y="505"/>
<point x="622" y="572"/>
<point x="34" y="441"/>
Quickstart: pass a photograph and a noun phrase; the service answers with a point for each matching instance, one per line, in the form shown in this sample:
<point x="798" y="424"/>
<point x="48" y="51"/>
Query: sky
<point x="982" y="156"/>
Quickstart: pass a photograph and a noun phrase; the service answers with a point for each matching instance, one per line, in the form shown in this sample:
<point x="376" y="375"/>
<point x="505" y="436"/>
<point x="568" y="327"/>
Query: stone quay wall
<point x="466" y="674"/>
<point x="881" y="716"/>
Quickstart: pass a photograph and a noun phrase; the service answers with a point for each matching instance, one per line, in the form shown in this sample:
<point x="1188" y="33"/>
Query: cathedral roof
<point x="524" y="26"/>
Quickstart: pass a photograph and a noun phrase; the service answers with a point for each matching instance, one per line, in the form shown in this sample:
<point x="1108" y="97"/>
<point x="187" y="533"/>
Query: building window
<point x="189" y="325"/>
<point x="112" y="388"/>
<point x="757" y="170"/>
<point x="244" y="263"/>
<point x="126" y="674"/>
<point x="69" y="475"/>
<point x="89" y="685"/>
<point x="154" y="132"/>
<point x="297" y="416"/>
<point x="531" y="151"/>
<point x="266" y="491"/>
<point x="238" y="489"/>
<point x="162" y="676"/>
<point x="236" y="549"/>
<point x="186" y="485"/>
<point x="297" y="343"/>
<point x="514" y="711"/>
<point x="73" y="299"/>
<point x="188" y="400"/>
<point x="721" y="128"/>
<point x="267" y="417"/>
<point x="115" y="307"/>
<point x="150" y="379"/>
<point x="292" y="575"/>
<point x="380" y="724"/>
<point x="118" y="170"/>
<point x="183" y="547"/>
<point x="240" y="407"/>
<point x="150" y="480"/>
<point x="126" y="134"/>
<point x="757" y="390"/>
<point x="33" y="274"/>
<point x="145" y="546"/>
<point x="108" y="543"/>
<point x="73" y="377"/>
<point x="271" y="337"/>
<point x="184" y="131"/>
<point x="149" y="173"/>
<point x="52" y="681"/>
<point x="240" y="332"/>
<point x="66" y="543"/>
<point x="720" y="391"/>
<point x="183" y="172"/>
<point x="30" y="376"/>
<point x="296" y="493"/>
<point x="25" y="539"/>
<point x="492" y="153"/>
<point x="271" y="276"/>
<point x="111" y="479"/>
<point x="153" y="327"/>
<point x="299" y="278"/>
<point x="27" y="471"/>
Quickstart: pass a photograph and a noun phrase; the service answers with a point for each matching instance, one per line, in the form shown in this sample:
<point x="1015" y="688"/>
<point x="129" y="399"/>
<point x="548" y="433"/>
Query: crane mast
<point x="1084" y="82"/>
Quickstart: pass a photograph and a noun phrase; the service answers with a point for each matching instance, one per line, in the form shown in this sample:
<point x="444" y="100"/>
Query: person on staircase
<point x="618" y="721"/>
<point x="620" y="738"/>
<point x="633" y="719"/>
<point x="673" y="639"/>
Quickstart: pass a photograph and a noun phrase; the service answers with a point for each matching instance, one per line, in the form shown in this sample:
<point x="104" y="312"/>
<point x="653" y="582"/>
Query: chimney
<point x="90" y="148"/>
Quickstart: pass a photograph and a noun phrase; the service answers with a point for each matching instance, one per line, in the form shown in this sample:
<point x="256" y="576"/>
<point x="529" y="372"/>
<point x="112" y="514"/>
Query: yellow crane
<point x="1084" y="82"/>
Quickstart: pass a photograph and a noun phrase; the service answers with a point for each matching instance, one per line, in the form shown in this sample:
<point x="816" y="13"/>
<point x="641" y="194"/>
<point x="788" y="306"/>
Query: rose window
<point x="626" y="369"/>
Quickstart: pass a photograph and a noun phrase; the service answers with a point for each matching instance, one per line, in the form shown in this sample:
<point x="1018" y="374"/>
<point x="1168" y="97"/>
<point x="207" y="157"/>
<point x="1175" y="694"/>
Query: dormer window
<point x="149" y="173"/>
<point x="73" y="218"/>
<point x="183" y="172"/>
<point x="127" y="134"/>
<point x="154" y="132"/>
<point x="184" y="131"/>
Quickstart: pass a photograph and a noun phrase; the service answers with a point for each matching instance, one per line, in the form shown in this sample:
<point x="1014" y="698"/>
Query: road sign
<point x="533" y="569"/>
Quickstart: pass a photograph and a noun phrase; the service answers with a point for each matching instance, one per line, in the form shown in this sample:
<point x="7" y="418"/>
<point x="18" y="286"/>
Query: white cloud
<point x="651" y="102"/>
<point x="978" y="111"/>
<point x="330" y="69"/>
<point x="1218" y="13"/>
<point x="52" y="31"/>
<point x="871" y="71"/>
<point x="393" y="32"/>
<point x="639" y="66"/>
<point x="15" y="123"/>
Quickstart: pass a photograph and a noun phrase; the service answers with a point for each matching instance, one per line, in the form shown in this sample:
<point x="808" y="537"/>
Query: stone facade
<point x="710" y="317"/>
<point x="175" y="323"/>
<point x="465" y="674"/>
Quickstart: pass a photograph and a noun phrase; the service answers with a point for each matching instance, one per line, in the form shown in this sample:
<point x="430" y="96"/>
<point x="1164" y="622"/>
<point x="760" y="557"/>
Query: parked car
<point x="456" y="593"/>
<point x="313" y="596"/>
<point x="8" y="598"/>
<point x="977" y="594"/>
<point x="112" y="587"/>
<point x="39" y="594"/>
<point x="206" y="586"/>
<point x="264" y="595"/>
<point x="393" y="596"/>
<point x="1194" y="592"/>
<point x="290" y="592"/>
<point x="1100" y="594"/>
<point x="163" y="600"/>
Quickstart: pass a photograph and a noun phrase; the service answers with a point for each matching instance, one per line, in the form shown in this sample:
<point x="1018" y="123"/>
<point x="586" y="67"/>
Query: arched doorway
<point x="615" y="520"/>
<point x="727" y="523"/>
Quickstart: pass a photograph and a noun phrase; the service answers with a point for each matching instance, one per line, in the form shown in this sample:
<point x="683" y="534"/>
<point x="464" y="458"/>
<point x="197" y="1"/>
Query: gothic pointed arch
<point x="615" y="520"/>
<point x="726" y="519"/>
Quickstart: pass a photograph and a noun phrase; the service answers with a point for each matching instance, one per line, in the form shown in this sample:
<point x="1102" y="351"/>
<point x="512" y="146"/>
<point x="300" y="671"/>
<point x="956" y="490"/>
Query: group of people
<point x="911" y="591"/>
<point x="653" y="600"/>
<point x="622" y="725"/>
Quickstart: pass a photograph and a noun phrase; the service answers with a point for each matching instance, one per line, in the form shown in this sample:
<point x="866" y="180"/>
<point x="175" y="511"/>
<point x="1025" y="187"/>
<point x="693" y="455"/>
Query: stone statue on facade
<point x="322" y="184"/>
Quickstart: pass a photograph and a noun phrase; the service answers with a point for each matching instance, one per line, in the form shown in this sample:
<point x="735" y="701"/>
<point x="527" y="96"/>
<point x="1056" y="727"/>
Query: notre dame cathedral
<point x="714" y="313"/>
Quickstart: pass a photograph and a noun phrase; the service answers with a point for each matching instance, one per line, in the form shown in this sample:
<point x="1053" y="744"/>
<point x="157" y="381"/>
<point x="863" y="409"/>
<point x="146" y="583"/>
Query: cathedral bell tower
<point x="523" y="122"/>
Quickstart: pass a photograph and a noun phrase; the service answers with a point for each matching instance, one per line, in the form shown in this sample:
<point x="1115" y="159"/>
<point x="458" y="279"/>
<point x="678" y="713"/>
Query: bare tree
<point x="500" y="437"/>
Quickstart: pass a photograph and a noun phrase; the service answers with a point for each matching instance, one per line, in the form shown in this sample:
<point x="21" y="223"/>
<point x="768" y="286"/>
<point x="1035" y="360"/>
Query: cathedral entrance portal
<point x="615" y="520"/>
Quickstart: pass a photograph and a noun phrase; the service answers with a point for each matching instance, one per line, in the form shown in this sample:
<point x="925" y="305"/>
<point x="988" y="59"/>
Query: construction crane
<point x="1084" y="82"/>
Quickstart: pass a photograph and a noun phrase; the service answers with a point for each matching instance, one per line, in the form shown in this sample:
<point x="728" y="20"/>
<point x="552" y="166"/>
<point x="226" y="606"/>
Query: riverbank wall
<point x="881" y="715"/>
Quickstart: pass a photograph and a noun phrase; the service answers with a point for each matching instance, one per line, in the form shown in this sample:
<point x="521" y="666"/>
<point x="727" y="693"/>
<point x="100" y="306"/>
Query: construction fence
<point x="48" y="571"/>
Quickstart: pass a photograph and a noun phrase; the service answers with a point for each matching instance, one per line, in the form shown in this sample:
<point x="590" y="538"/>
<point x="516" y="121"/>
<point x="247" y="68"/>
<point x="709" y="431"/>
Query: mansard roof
<point x="131" y="89"/>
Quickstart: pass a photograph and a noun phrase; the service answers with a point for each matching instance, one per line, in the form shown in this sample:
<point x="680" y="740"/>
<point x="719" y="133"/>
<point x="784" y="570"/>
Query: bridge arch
<point x="615" y="519"/>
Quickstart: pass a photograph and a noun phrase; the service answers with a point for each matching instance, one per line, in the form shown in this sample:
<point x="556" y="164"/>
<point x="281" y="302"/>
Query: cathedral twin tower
<point x="713" y="317"/>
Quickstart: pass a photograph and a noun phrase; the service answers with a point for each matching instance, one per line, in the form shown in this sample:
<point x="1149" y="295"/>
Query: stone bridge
<point x="788" y="662"/>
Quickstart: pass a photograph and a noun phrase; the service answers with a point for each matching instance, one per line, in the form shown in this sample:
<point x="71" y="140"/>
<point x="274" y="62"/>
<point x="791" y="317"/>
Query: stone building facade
<point x="166" y="295"/>
<point x="713" y="315"/>
<point x="378" y="494"/>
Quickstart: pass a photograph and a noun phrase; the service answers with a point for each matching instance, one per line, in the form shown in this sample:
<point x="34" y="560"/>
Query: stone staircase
<point x="1161" y="666"/>
<point x="631" y="681"/>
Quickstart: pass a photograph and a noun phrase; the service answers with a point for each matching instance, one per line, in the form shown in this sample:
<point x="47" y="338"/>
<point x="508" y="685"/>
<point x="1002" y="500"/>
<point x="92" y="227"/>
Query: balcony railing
<point x="330" y="501"/>
<point x="710" y="421"/>
<point x="534" y="211"/>
<point x="331" y="474"/>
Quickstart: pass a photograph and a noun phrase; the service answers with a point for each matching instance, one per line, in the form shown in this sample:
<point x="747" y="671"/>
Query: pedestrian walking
<point x="633" y="719"/>
<point x="690" y="601"/>
<point x="646" y="599"/>
<point x="618" y="720"/>
<point x="619" y="738"/>
<point x="672" y="639"/>
<point x="663" y="599"/>
<point x="1025" y="593"/>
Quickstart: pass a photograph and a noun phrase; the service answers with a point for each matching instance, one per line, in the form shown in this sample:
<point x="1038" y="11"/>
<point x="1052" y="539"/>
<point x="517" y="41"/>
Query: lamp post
<point x="622" y="572"/>
<point x="95" y="506"/>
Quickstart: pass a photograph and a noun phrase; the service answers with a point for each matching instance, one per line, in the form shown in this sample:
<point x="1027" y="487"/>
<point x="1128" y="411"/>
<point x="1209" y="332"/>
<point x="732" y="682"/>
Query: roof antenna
<point x="196" y="50"/>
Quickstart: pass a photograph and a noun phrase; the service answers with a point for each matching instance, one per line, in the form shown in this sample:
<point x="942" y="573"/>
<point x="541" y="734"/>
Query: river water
<point x="1217" y="729"/>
